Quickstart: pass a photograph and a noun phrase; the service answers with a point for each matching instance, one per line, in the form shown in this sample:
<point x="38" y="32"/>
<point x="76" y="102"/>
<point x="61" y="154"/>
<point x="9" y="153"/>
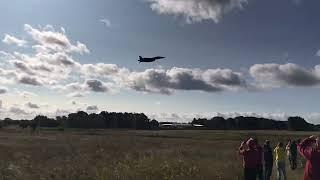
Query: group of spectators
<point x="258" y="160"/>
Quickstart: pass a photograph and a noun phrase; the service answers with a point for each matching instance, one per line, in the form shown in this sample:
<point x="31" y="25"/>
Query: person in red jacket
<point x="309" y="148"/>
<point x="250" y="159"/>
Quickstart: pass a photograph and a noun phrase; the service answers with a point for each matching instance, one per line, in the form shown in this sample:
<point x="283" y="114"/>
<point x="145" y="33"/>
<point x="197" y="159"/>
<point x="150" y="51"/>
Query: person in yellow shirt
<point x="280" y="153"/>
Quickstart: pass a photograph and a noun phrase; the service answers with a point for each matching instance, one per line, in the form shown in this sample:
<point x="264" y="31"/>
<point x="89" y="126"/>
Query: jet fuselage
<point x="142" y="59"/>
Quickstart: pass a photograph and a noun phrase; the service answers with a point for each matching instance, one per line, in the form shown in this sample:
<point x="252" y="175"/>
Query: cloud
<point x="313" y="117"/>
<point x="22" y="67"/>
<point x="8" y="39"/>
<point x="7" y="76"/>
<point x="167" y="81"/>
<point x="155" y="80"/>
<point x="51" y="40"/>
<point x="76" y="94"/>
<point x="17" y="111"/>
<point x="79" y="89"/>
<point x="62" y="112"/>
<point x="92" y="108"/>
<point x="3" y="90"/>
<point x="196" y="10"/>
<point x="100" y="70"/>
<point x="52" y="62"/>
<point x="96" y="85"/>
<point x="25" y="94"/>
<point x="60" y="59"/>
<point x="106" y="22"/>
<point x="29" y="81"/>
<point x="5" y="55"/>
<point x="286" y="74"/>
<point x="53" y="66"/>
<point x="32" y="105"/>
<point x="41" y="69"/>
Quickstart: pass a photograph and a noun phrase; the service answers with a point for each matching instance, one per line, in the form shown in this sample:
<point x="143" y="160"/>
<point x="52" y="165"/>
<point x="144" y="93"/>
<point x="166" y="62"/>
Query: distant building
<point x="197" y="125"/>
<point x="176" y="125"/>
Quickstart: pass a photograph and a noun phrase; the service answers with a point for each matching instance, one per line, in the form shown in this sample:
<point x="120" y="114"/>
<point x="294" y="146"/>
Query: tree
<point x="299" y="124"/>
<point x="217" y="123"/>
<point x="44" y="121"/>
<point x="154" y="124"/>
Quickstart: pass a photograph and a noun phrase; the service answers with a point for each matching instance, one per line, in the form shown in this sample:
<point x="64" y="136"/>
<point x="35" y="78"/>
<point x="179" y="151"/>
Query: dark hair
<point x="267" y="142"/>
<point x="280" y="144"/>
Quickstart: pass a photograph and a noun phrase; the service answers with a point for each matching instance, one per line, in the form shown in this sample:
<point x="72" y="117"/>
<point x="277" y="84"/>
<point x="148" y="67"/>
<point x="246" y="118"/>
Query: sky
<point x="223" y="57"/>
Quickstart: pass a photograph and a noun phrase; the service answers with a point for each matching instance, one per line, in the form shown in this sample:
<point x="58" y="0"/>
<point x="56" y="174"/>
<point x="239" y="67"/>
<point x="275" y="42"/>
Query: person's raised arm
<point x="305" y="147"/>
<point x="242" y="148"/>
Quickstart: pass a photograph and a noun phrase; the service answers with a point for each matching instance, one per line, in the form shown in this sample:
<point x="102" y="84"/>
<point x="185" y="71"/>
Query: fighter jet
<point x="142" y="59"/>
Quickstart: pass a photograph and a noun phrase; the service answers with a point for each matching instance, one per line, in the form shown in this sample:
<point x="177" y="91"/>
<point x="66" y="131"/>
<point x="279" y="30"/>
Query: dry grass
<point x="111" y="154"/>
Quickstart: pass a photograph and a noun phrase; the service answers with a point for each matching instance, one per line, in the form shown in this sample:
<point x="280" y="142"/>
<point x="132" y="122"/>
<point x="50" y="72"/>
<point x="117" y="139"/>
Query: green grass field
<point x="127" y="154"/>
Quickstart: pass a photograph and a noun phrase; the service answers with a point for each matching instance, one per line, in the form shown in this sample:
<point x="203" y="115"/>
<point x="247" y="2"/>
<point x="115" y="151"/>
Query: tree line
<point x="81" y="119"/>
<point x="255" y="123"/>
<point x="115" y="120"/>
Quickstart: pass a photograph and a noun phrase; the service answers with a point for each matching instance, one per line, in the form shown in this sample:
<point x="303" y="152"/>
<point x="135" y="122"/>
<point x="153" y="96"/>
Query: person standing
<point x="288" y="148"/>
<point x="281" y="160"/>
<point x="250" y="159"/>
<point x="268" y="160"/>
<point x="292" y="154"/>
<point x="260" y="159"/>
<point x="309" y="148"/>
